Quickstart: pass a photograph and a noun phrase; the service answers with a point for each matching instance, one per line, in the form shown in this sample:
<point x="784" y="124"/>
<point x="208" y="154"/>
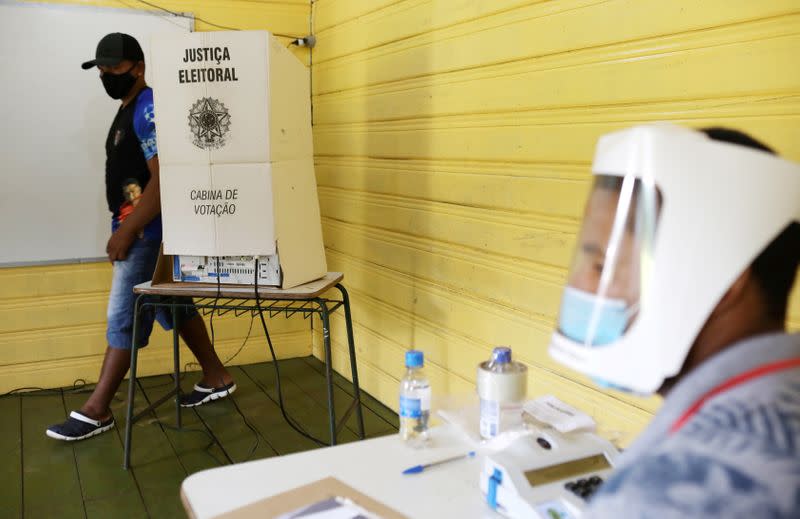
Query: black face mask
<point x="118" y="85"/>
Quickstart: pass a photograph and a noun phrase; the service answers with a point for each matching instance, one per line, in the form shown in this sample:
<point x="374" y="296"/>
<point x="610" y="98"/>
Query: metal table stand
<point x="306" y="300"/>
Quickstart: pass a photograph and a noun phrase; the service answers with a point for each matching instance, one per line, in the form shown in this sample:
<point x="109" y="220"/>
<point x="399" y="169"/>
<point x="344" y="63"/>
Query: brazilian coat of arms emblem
<point x="209" y="122"/>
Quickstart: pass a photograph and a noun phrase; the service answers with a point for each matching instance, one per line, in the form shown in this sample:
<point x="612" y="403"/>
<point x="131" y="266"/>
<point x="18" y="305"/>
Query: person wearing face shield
<point x="680" y="285"/>
<point x="132" y="193"/>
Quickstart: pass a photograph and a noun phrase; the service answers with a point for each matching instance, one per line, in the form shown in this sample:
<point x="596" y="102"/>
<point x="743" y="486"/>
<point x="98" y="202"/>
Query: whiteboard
<point x="55" y="119"/>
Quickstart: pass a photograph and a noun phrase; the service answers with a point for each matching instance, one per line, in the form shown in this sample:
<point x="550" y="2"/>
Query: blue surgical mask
<point x="605" y="384"/>
<point x="575" y="317"/>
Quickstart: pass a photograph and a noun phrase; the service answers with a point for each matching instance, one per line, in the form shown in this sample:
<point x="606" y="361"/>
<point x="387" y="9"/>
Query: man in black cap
<point x="132" y="192"/>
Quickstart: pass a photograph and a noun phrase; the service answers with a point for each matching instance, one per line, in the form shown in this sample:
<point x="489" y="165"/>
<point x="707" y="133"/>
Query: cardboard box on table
<point x="233" y="124"/>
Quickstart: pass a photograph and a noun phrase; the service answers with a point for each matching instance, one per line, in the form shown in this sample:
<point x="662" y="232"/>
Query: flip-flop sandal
<point x="202" y="395"/>
<point x="79" y="427"/>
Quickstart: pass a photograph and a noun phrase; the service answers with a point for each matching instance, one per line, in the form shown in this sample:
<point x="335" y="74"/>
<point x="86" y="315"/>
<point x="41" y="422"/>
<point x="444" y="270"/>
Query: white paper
<point x="466" y="419"/>
<point x="564" y="418"/>
<point x="332" y="508"/>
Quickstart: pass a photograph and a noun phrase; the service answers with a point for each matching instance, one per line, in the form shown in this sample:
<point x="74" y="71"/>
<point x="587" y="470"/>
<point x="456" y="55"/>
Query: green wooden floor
<point x="42" y="477"/>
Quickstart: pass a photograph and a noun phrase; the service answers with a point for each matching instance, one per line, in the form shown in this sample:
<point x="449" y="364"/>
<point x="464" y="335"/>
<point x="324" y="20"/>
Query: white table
<point x="372" y="467"/>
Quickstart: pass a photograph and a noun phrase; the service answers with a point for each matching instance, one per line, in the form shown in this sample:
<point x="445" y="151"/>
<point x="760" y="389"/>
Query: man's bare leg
<point x="117" y="361"/>
<point x="115" y="365"/>
<point x="195" y="336"/>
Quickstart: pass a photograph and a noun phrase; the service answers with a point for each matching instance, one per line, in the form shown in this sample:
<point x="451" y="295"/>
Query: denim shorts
<point x="137" y="268"/>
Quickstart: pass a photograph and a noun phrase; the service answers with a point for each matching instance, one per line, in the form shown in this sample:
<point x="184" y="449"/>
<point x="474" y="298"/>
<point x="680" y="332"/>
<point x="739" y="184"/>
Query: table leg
<point x="176" y="354"/>
<point x="126" y="461"/>
<point x="326" y="341"/>
<point x="353" y="365"/>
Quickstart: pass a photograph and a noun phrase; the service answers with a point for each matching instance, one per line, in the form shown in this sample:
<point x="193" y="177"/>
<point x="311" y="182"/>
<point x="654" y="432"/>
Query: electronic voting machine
<point x="547" y="475"/>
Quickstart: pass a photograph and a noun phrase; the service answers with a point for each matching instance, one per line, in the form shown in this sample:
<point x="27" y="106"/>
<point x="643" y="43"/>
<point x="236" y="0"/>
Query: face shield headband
<point x="664" y="236"/>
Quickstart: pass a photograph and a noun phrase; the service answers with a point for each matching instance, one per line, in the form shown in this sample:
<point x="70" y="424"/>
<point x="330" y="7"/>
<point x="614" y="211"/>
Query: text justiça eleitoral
<point x="207" y="74"/>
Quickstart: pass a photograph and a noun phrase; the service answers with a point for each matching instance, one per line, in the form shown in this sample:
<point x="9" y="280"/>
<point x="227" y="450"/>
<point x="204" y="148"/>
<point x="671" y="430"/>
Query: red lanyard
<point x="747" y="376"/>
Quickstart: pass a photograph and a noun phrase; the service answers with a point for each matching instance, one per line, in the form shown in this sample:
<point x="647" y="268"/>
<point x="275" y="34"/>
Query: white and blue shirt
<point x="737" y="456"/>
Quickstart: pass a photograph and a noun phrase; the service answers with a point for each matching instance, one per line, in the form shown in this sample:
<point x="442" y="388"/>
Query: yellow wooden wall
<point x="453" y="141"/>
<point x="52" y="318"/>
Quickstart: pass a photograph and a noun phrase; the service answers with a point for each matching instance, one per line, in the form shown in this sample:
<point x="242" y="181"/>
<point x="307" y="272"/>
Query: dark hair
<point x="776" y="267"/>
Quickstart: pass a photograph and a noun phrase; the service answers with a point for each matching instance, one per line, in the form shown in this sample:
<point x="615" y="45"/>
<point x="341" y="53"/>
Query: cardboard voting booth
<point x="233" y="121"/>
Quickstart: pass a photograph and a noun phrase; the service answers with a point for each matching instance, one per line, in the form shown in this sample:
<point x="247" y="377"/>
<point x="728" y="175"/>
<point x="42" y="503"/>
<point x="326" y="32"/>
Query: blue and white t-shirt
<point x="144" y="123"/>
<point x="738" y="456"/>
<point x="131" y="143"/>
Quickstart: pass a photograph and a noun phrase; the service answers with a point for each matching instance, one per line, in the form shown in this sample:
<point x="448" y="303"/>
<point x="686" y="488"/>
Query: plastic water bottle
<point x="415" y="401"/>
<point x="502" y="385"/>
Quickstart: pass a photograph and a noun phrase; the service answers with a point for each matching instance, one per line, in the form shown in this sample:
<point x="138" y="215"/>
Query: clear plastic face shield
<point x="613" y="261"/>
<point x="647" y="271"/>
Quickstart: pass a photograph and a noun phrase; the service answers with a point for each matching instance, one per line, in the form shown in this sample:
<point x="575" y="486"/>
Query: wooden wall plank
<point x="153" y="360"/>
<point x="566" y="81"/>
<point x="446" y="37"/>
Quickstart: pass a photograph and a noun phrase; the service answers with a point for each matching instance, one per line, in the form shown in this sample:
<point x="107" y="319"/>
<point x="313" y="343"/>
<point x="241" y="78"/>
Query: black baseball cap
<point x="114" y="48"/>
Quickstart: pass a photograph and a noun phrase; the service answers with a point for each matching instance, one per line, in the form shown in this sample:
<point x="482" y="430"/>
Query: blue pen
<point x="419" y="468"/>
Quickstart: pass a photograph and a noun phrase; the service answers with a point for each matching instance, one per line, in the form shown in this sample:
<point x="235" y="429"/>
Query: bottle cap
<point x="501" y="355"/>
<point x="414" y="358"/>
